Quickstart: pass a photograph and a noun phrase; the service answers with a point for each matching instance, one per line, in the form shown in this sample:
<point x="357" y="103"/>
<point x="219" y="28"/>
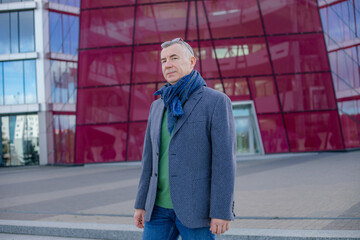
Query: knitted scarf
<point x="174" y="96"/>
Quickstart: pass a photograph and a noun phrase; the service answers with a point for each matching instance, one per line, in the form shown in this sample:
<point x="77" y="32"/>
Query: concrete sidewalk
<point x="296" y="192"/>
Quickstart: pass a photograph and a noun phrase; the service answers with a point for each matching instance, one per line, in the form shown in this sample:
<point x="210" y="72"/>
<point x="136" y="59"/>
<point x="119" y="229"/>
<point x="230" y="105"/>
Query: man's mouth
<point x="170" y="73"/>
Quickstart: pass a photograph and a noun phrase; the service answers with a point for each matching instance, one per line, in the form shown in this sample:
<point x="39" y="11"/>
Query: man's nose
<point x="167" y="64"/>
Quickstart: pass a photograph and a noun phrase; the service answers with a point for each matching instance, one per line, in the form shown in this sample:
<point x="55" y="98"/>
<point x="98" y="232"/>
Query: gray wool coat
<point x="201" y="160"/>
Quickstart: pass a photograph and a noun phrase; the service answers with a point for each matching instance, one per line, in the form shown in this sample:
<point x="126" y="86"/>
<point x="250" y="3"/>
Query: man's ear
<point x="193" y="61"/>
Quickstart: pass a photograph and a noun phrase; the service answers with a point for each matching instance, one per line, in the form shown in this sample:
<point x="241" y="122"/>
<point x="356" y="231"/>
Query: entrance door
<point x="247" y="130"/>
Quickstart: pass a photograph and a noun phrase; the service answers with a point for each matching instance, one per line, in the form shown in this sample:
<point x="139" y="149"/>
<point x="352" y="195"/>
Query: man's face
<point x="176" y="63"/>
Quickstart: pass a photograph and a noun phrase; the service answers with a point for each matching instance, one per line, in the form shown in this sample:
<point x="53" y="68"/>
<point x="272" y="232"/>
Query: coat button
<point x="155" y="174"/>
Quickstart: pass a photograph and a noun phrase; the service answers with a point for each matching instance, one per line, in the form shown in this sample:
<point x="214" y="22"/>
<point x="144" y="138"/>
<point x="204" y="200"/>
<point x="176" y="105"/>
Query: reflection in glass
<point x="26" y="31"/>
<point x="30" y="81"/>
<point x="64" y="138"/>
<point x="5" y="33"/>
<point x="20" y="140"/>
<point x="74" y="3"/>
<point x="1" y="84"/>
<point x="14" y="35"/>
<point x="63" y="81"/>
<point x="13" y="82"/>
<point x="55" y="32"/>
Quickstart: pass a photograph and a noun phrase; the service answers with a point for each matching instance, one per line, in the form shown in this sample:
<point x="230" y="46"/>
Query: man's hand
<point x="219" y="226"/>
<point x="139" y="216"/>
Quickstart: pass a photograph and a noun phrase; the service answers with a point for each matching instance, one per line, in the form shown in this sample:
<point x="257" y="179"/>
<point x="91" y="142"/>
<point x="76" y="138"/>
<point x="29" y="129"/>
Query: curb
<point x="130" y="232"/>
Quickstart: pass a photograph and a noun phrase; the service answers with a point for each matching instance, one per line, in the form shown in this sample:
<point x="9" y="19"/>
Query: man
<point x="188" y="162"/>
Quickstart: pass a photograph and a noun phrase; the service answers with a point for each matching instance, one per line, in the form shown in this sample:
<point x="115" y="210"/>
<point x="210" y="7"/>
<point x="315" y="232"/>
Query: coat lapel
<point x="188" y="107"/>
<point x="157" y="121"/>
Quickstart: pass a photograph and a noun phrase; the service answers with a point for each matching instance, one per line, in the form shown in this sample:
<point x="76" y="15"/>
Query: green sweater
<point x="163" y="198"/>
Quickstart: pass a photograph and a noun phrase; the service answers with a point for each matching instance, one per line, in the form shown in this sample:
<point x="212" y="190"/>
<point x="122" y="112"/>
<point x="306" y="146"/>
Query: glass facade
<point x="64" y="40"/>
<point x="272" y="53"/>
<point x="20" y="140"/>
<point x="18" y="82"/>
<point x="341" y="23"/>
<point x="17" y="32"/>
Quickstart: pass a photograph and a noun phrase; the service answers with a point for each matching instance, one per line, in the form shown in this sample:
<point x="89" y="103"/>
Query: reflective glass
<point x="237" y="89"/>
<point x="56" y="29"/>
<point x="70" y="34"/>
<point x="107" y="27"/>
<point x="103" y="105"/>
<point x="101" y="143"/>
<point x="290" y="16"/>
<point x="147" y="64"/>
<point x="1" y="84"/>
<point x="241" y="57"/>
<point x="105" y="3"/>
<point x="298" y="53"/>
<point x="263" y="92"/>
<point x="232" y="18"/>
<point x="5" y="33"/>
<point x="26" y="31"/>
<point x="160" y="22"/>
<point x="136" y="140"/>
<point x="14" y="35"/>
<point x="207" y="60"/>
<point x="30" y="81"/>
<point x="20" y="140"/>
<point x="108" y="66"/>
<point x="13" y="82"/>
<point x="63" y="81"/>
<point x="273" y="133"/>
<point x="74" y="3"/>
<point x="64" y="138"/>
<point x="142" y="96"/>
<point x="314" y="131"/>
<point x="197" y="22"/>
<point x="304" y="92"/>
<point x="215" y="84"/>
<point x="351" y="128"/>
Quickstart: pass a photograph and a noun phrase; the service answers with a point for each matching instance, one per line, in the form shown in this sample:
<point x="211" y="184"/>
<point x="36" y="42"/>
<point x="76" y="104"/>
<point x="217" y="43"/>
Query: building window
<point x="64" y="33"/>
<point x="19" y="147"/>
<point x="11" y="1"/>
<point x="18" y="82"/>
<point x="73" y="3"/>
<point x="17" y="32"/>
<point x="63" y="81"/>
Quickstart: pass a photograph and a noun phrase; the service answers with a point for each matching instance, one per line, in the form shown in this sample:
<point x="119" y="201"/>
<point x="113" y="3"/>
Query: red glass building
<point x="284" y="72"/>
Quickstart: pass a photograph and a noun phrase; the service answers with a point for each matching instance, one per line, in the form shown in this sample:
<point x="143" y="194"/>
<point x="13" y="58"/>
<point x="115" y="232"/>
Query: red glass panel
<point x="263" y="93"/>
<point x="105" y="3"/>
<point x="160" y="22"/>
<point x="306" y="92"/>
<point x="237" y="89"/>
<point x="106" y="27"/>
<point x="147" y="64"/>
<point x="136" y="140"/>
<point x="107" y="66"/>
<point x="102" y="105"/>
<point x="154" y="1"/>
<point x="239" y="57"/>
<point x="314" y="131"/>
<point x="101" y="143"/>
<point x="351" y="129"/>
<point x="141" y="98"/>
<point x="208" y="61"/>
<point x="233" y="18"/>
<point x="298" y="53"/>
<point x="290" y="16"/>
<point x="215" y="84"/>
<point x="273" y="133"/>
<point x="197" y="23"/>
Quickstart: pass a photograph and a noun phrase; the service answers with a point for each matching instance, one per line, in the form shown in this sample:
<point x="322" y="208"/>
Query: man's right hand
<point x="139" y="216"/>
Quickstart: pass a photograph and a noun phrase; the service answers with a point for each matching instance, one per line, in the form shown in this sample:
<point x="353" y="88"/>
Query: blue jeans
<point x="164" y="225"/>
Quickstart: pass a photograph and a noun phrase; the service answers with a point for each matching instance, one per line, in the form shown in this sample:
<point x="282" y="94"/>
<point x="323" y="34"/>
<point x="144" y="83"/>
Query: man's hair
<point x="180" y="41"/>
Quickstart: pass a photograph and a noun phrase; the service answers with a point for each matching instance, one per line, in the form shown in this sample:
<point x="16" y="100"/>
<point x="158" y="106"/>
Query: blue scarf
<point x="174" y="96"/>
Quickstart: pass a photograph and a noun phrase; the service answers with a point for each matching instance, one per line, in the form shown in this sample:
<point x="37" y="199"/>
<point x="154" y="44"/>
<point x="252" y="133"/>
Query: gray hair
<point x="178" y="41"/>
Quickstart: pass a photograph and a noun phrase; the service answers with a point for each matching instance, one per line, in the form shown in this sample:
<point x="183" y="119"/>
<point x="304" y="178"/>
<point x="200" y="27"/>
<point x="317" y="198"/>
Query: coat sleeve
<point x="223" y="165"/>
<point x="146" y="169"/>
